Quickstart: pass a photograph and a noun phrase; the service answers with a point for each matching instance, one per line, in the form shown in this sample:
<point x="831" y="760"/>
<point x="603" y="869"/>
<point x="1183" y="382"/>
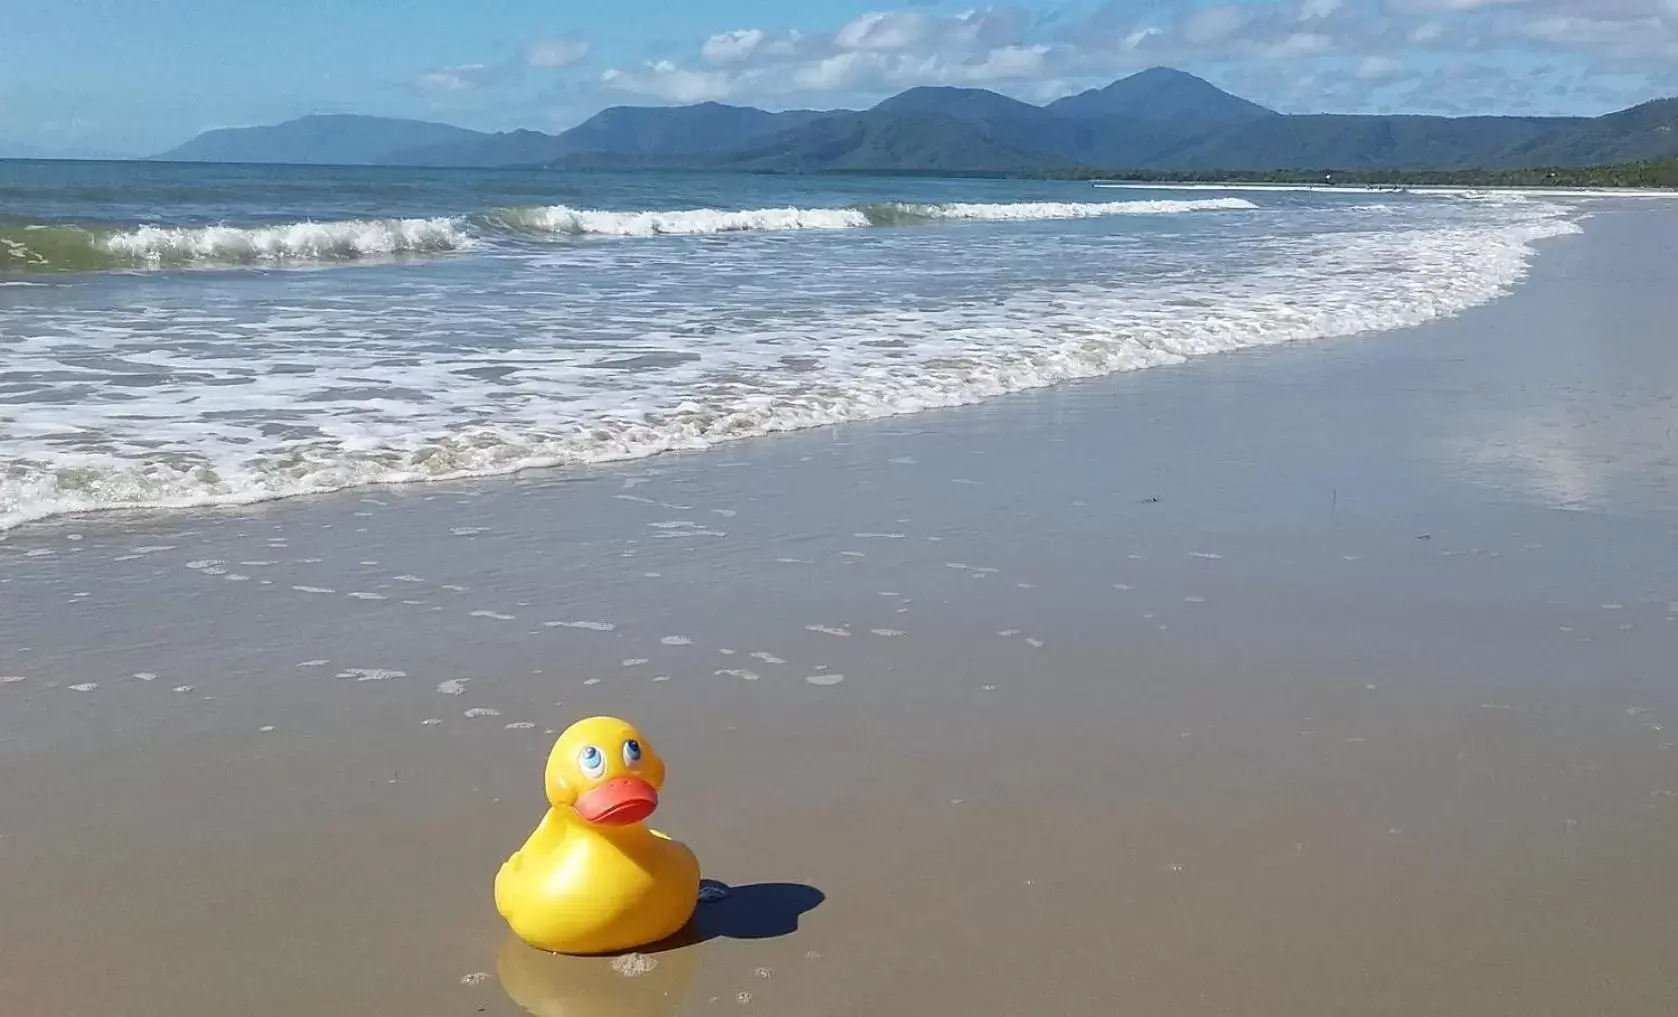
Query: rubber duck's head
<point x="605" y="771"/>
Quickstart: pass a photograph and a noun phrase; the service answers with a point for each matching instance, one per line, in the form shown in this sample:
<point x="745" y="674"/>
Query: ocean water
<point x="188" y="335"/>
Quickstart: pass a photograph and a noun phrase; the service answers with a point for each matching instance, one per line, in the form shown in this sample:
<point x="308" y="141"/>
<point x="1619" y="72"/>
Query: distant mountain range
<point x="1158" y="119"/>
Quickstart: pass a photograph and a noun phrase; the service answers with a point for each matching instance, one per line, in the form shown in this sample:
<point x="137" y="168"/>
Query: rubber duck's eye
<point x="632" y="752"/>
<point x="592" y="761"/>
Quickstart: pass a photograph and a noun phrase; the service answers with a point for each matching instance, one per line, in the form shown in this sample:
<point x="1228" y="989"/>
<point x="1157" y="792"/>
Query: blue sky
<point x="138" y="76"/>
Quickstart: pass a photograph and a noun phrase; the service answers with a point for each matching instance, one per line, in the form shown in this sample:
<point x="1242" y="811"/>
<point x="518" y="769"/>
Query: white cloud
<point x="883" y="30"/>
<point x="732" y="47"/>
<point x="1412" y="6"/>
<point x="871" y="54"/>
<point x="665" y="80"/>
<point x="1138" y="36"/>
<point x="830" y="74"/>
<point x="1011" y="63"/>
<point x="1300" y="44"/>
<point x="1213" y="24"/>
<point x="1618" y="29"/>
<point x="460" y="78"/>
<point x="562" y="52"/>
<point x="1380" y="68"/>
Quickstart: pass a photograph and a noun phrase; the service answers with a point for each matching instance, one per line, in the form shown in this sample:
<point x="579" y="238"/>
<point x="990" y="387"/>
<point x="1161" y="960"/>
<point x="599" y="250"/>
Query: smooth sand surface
<point x="1325" y="680"/>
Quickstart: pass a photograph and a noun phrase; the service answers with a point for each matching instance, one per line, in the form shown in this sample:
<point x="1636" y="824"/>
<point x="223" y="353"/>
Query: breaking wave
<point x="79" y="249"/>
<point x="40" y="248"/>
<point x="563" y="219"/>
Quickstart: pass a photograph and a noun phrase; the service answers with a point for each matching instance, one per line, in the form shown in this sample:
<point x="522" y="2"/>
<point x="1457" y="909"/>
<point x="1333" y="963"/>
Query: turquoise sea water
<point x="177" y="335"/>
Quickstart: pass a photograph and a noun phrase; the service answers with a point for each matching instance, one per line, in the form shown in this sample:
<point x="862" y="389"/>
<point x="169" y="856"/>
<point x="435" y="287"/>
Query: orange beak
<point x="618" y="802"/>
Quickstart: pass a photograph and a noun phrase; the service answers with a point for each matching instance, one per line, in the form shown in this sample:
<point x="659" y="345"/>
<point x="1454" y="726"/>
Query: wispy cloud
<point x="565" y="51"/>
<point x="664" y="80"/>
<point x="459" y="78"/>
<point x="875" y="52"/>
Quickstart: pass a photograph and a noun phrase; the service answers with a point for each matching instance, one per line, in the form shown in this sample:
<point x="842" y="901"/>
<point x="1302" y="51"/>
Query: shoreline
<point x="1313" y="679"/>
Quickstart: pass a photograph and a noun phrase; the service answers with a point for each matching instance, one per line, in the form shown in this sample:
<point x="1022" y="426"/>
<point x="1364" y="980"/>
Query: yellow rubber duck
<point x="592" y="878"/>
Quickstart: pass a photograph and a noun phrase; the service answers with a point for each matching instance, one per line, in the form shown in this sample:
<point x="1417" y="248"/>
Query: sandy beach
<point x="1324" y="679"/>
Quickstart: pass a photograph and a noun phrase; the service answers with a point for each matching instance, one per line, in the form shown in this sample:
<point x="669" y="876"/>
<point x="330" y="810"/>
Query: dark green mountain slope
<point x="875" y="141"/>
<point x="1160" y="95"/>
<point x="1159" y="119"/>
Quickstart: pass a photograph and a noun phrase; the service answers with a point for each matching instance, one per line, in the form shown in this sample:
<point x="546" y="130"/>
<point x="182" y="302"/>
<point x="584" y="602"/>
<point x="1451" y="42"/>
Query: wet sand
<point x="1334" y="679"/>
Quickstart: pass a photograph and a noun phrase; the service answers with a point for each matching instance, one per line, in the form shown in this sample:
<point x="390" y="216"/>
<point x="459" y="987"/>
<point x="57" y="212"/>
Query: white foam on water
<point x="370" y="674"/>
<point x="297" y="243"/>
<point x="382" y="413"/>
<point x="562" y="219"/>
<point x="955" y="211"/>
<point x="634" y="965"/>
<point x="1444" y="191"/>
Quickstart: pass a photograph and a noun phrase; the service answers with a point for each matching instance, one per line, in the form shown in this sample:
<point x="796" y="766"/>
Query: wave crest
<point x="75" y="249"/>
<point x="38" y="249"/>
<point x="563" y="219"/>
<point x="568" y="221"/>
<point x="897" y="213"/>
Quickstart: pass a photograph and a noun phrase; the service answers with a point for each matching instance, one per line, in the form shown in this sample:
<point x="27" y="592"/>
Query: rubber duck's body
<point x="593" y="878"/>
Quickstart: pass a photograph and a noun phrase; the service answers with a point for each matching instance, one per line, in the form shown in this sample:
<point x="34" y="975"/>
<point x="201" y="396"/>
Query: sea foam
<point x="41" y="248"/>
<point x="416" y="409"/>
<point x="562" y="219"/>
<point x="304" y="242"/>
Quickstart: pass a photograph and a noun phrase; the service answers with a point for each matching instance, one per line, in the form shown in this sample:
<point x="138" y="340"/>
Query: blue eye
<point x="592" y="761"/>
<point x="632" y="752"/>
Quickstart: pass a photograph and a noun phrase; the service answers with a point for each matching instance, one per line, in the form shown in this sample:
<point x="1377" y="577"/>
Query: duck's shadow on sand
<point x="751" y="911"/>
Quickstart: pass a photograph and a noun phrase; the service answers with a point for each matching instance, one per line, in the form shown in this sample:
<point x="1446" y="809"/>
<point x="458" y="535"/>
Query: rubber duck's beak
<point x="618" y="802"/>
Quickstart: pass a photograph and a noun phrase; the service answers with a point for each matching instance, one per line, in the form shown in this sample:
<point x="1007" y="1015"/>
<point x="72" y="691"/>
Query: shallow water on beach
<point x="191" y="335"/>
